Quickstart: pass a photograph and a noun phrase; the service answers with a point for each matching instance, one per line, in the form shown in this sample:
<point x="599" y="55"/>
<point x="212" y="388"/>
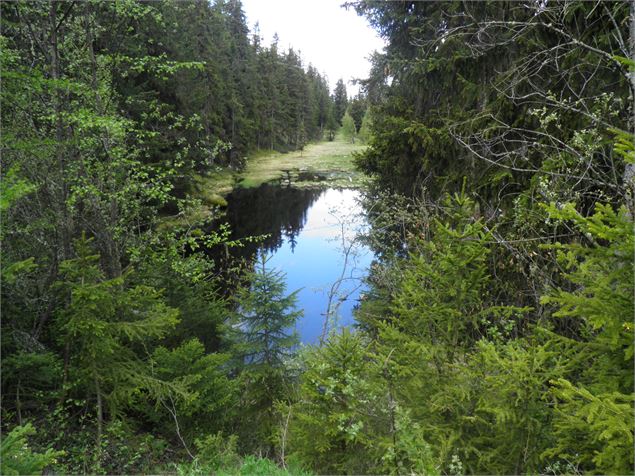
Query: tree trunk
<point x="64" y="230"/>
<point x="58" y="197"/>
<point x="18" y="403"/>
<point x="100" y="419"/>
<point x="108" y="247"/>
<point x="629" y="170"/>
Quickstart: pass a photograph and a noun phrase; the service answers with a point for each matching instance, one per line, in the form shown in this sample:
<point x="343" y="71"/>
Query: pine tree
<point x="444" y="296"/>
<point x="346" y="419"/>
<point x="366" y="127"/>
<point x="331" y="122"/>
<point x="327" y="431"/>
<point x="348" y="128"/>
<point x="357" y="108"/>
<point x="18" y="458"/>
<point x="594" y="410"/>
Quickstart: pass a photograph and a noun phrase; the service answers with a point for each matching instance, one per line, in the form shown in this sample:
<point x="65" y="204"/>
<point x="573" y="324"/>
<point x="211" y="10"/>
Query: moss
<point x="218" y="200"/>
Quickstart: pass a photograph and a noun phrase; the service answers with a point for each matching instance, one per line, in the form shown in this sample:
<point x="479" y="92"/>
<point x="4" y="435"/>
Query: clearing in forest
<point x="325" y="164"/>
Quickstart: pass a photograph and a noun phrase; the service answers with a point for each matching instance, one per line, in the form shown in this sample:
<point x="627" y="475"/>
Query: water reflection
<point x="326" y="254"/>
<point x="279" y="212"/>
<point x="312" y="240"/>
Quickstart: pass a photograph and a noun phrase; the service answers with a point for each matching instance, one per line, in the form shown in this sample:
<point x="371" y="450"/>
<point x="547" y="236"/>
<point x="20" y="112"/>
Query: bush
<point x="17" y="458"/>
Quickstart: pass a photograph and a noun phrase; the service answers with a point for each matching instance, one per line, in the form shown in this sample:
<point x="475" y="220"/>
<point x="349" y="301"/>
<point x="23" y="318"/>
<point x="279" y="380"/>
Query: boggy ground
<point x="326" y="164"/>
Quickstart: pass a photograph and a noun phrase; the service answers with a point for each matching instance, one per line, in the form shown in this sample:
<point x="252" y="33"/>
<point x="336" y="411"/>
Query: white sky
<point x="335" y="40"/>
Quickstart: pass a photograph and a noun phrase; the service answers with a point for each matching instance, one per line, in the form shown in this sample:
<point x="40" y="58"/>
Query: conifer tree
<point x="331" y="122"/>
<point x="99" y="327"/>
<point x="265" y="323"/>
<point x="348" y="127"/>
<point x="346" y="419"/>
<point x="357" y="108"/>
<point x="18" y="459"/>
<point x="594" y="410"/>
<point x="366" y="127"/>
<point x="328" y="427"/>
<point x="340" y="100"/>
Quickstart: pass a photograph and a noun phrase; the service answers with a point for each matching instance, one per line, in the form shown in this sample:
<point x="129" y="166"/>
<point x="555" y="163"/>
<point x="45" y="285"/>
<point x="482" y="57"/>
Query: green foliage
<point x="340" y="101"/>
<point x="120" y="336"/>
<point x="210" y="392"/>
<point x="407" y="452"/>
<point x="102" y="323"/>
<point x="328" y="429"/>
<point x="172" y="260"/>
<point x="512" y="359"/>
<point x="16" y="456"/>
<point x="496" y="336"/>
<point x="33" y="375"/>
<point x="444" y="296"/>
<point x="266" y="318"/>
<point x="593" y="430"/>
<point x="11" y="272"/>
<point x="124" y="447"/>
<point x="217" y="451"/>
<point x="457" y="99"/>
<point x="265" y="340"/>
<point x="249" y="466"/>
<point x="217" y="454"/>
<point x="331" y="123"/>
<point x="12" y="188"/>
<point x="365" y="129"/>
<point x="348" y="127"/>
<point x="602" y="274"/>
<point x="506" y="421"/>
<point x="346" y="419"/>
<point x="599" y="404"/>
<point x="264" y="467"/>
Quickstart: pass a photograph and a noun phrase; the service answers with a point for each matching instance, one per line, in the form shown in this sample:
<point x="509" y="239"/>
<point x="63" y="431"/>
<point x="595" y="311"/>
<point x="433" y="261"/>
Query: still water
<point x="312" y="238"/>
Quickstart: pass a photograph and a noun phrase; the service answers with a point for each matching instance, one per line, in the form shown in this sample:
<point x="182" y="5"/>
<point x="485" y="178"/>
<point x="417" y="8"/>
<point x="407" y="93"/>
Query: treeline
<point x="237" y="94"/>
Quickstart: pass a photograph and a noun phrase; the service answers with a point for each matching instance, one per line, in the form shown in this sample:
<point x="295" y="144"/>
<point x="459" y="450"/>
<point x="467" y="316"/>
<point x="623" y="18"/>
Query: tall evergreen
<point x="340" y="100"/>
<point x="115" y="108"/>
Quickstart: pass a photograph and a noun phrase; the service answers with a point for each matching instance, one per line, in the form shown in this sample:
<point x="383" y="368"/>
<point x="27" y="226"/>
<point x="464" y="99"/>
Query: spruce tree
<point x="365" y="129"/>
<point x="340" y="100"/>
<point x="348" y="128"/>
<point x="101" y="326"/>
<point x="265" y="322"/>
<point x="593" y="418"/>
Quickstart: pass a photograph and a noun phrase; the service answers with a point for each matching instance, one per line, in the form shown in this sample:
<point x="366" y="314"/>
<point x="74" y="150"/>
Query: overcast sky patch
<point x="336" y="41"/>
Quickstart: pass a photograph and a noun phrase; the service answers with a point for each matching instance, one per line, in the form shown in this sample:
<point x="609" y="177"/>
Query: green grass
<point x="333" y="161"/>
<point x="322" y="164"/>
<point x="249" y="466"/>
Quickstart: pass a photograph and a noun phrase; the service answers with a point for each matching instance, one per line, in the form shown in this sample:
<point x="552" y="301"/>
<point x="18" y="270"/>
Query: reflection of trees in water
<point x="278" y="212"/>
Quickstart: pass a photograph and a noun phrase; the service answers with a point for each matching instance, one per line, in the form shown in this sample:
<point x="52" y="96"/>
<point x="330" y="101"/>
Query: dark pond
<point x="311" y="238"/>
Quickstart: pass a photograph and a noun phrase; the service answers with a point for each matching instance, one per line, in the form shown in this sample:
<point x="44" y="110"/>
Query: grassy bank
<point x="327" y="164"/>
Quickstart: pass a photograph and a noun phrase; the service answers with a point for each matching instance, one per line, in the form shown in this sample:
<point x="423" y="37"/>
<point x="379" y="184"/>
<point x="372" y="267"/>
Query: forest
<point x="495" y="331"/>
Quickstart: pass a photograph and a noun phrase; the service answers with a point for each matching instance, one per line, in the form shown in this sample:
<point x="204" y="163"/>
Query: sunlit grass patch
<point x="327" y="160"/>
<point x="322" y="164"/>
